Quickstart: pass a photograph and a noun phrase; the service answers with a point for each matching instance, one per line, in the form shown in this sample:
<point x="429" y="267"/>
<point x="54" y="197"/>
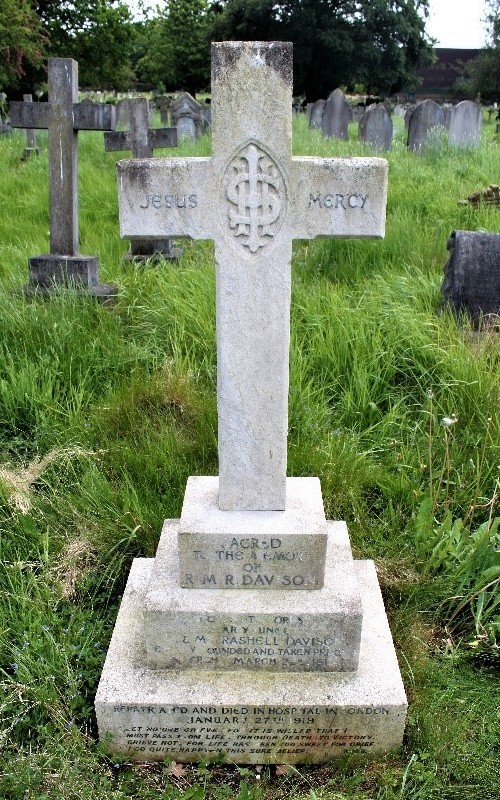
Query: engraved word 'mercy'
<point x="255" y="186"/>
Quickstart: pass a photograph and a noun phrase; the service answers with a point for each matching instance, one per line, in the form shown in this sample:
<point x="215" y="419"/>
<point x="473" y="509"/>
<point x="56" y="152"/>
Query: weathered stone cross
<point x="252" y="198"/>
<point x="64" y="117"/>
<point x="142" y="140"/>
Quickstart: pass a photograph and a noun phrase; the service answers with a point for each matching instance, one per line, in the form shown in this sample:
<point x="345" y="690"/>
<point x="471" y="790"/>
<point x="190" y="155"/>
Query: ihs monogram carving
<point x="256" y="190"/>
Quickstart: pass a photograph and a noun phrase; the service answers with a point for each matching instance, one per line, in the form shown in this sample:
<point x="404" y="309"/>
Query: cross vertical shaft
<point x="253" y="274"/>
<point x="63" y="157"/>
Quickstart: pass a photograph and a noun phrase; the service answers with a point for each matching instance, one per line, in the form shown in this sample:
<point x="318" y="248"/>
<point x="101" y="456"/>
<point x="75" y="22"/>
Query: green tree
<point x="178" y="50"/>
<point x="483" y="73"/>
<point x="22" y="42"/>
<point x="97" y="33"/>
<point x="379" y="43"/>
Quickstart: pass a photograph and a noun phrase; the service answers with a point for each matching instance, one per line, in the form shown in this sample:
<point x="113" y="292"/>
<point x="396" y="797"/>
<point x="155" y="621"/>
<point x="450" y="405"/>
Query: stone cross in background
<point x="31" y="148"/>
<point x="64" y="117"/>
<point x="142" y="140"/>
<point x="252" y="198"/>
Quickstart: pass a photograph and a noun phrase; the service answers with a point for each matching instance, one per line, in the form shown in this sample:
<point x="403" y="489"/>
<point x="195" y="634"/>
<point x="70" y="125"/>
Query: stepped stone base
<point x="248" y="717"/>
<point x="257" y="549"/>
<point x="46" y="272"/>
<point x="282" y="631"/>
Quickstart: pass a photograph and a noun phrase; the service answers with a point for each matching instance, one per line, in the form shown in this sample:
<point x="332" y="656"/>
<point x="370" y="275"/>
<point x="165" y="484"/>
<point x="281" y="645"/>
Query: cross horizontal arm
<point x="29" y="115"/>
<point x="338" y="197"/>
<point x="116" y="140"/>
<point x="94" y="116"/>
<point x="162" y="137"/>
<point x="166" y="197"/>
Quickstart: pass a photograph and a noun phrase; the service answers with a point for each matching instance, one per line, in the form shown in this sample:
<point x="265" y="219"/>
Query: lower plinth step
<point x="246" y="717"/>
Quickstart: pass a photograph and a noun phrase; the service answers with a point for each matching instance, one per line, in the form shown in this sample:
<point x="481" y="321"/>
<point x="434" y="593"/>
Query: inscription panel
<point x="254" y="550"/>
<point x="270" y="642"/>
<point x="248" y="734"/>
<point x="238" y="562"/>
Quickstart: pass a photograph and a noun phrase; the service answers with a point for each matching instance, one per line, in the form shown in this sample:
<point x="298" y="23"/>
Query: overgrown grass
<point x="104" y="412"/>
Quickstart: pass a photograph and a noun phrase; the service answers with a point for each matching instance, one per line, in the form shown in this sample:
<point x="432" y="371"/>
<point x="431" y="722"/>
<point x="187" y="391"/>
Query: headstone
<point x="408" y="115"/>
<point x="472" y="275"/>
<point x="253" y="635"/>
<point x="375" y="128"/>
<point x="163" y="103"/>
<point x="64" y="117"/>
<point x="447" y="110"/>
<point x="316" y="114"/>
<point x="31" y="148"/>
<point x="464" y="127"/>
<point x="337" y="115"/>
<point x="142" y="140"/>
<point x="426" y="123"/>
<point x="187" y="115"/>
<point x="399" y="110"/>
<point x="123" y="113"/>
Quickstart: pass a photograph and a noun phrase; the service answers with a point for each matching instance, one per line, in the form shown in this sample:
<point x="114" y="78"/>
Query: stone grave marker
<point x="64" y="117"/>
<point x="464" y="127"/>
<point x="253" y="636"/>
<point x="337" y="115"/>
<point x="375" y="128"/>
<point x="425" y="123"/>
<point x="163" y="103"/>
<point x="31" y="148"/>
<point x="316" y="114"/>
<point x="187" y="115"/>
<point x="472" y="276"/>
<point x="142" y="140"/>
<point x="123" y="112"/>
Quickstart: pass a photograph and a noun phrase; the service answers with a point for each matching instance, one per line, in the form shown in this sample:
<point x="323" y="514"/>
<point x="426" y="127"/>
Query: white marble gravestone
<point x="253" y="635"/>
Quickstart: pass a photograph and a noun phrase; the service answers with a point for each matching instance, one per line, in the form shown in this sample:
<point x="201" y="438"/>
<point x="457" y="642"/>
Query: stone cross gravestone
<point x="253" y="635"/>
<point x="142" y="140"/>
<point x="64" y="117"/>
<point x="375" y="128"/>
<point x="31" y="148"/>
<point x="337" y="115"/>
<point x="464" y="126"/>
<point x="425" y="123"/>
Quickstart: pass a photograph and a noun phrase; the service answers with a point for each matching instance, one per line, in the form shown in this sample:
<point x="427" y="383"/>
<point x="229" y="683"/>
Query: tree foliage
<point x="379" y="43"/>
<point x="22" y="42"/>
<point x="483" y="73"/>
<point x="177" y="55"/>
<point x="97" y="33"/>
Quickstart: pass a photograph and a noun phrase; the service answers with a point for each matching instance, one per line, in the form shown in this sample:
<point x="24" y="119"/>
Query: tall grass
<point x="104" y="412"/>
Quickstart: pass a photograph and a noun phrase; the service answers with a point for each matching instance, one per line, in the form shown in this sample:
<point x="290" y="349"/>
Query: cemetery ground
<point x="106" y="410"/>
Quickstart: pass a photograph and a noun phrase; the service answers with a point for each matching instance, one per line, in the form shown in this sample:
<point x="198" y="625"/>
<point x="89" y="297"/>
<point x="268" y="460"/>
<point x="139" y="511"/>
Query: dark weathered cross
<point x="64" y="117"/>
<point x="252" y="198"/>
<point x="142" y="140"/>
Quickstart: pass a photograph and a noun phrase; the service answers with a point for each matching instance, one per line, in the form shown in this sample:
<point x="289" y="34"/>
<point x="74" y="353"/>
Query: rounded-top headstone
<point x="336" y="116"/>
<point x="464" y="127"/>
<point x="427" y="119"/>
<point x="375" y="128"/>
<point x="316" y="114"/>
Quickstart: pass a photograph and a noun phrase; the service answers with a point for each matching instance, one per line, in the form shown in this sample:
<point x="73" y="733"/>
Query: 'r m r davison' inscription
<point x="345" y="201"/>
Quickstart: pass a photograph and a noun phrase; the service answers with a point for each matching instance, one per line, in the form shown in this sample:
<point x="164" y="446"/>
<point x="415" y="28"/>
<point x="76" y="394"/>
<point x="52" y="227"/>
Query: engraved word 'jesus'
<point x="256" y="188"/>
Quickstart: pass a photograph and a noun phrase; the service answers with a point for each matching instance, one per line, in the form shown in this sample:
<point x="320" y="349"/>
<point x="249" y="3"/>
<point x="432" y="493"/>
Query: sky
<point x="457" y="23"/>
